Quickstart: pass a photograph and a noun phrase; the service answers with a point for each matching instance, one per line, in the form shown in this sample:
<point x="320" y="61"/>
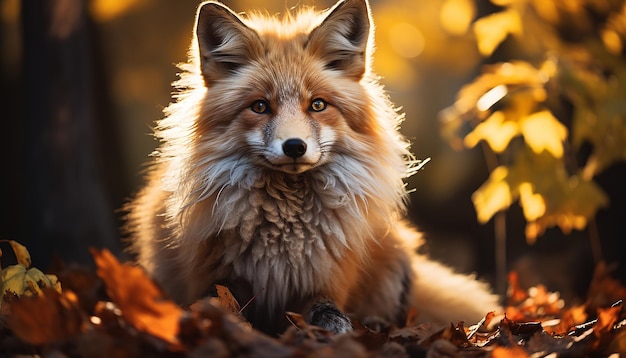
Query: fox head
<point x="282" y="82"/>
<point x="289" y="99"/>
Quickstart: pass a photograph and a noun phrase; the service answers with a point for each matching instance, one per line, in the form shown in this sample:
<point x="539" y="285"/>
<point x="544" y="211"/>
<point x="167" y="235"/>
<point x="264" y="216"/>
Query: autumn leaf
<point x="296" y="320"/>
<point x="226" y="299"/>
<point x="508" y="78"/>
<point x="21" y="253"/>
<point x="542" y="131"/>
<point x="18" y="280"/>
<point x="142" y="303"/>
<point x="548" y="195"/>
<point x="509" y="352"/>
<point x="491" y="30"/>
<point x="493" y="196"/>
<point x="48" y="318"/>
<point x="570" y="204"/>
<point x="533" y="204"/>
<point x="495" y="130"/>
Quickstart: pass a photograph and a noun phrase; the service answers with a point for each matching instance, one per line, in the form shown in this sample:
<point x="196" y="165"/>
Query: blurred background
<point x="82" y="82"/>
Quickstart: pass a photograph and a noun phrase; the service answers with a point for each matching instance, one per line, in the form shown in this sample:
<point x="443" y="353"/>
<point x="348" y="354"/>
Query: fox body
<point x="280" y="175"/>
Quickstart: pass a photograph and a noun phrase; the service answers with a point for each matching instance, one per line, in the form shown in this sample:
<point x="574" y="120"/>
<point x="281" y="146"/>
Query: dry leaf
<point x="21" y="253"/>
<point x="19" y="280"/>
<point x="142" y="303"/>
<point x="48" y="318"/>
<point x="227" y="300"/>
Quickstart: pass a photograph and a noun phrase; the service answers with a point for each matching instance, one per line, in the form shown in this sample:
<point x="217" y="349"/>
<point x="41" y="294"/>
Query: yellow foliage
<point x="495" y="130"/>
<point x="493" y="196"/>
<point x="514" y="78"/>
<point x="573" y="67"/>
<point x="547" y="194"/>
<point x="491" y="30"/>
<point x="542" y="131"/>
<point x="532" y="203"/>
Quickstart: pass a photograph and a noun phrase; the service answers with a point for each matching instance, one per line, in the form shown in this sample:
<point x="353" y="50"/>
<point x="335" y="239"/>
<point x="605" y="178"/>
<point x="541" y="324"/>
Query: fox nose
<point x="294" y="148"/>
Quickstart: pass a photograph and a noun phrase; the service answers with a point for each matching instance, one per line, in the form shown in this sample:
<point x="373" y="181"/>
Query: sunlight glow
<point x="491" y="97"/>
<point x="406" y="40"/>
<point x="456" y="16"/>
<point x="612" y="41"/>
<point x="107" y="10"/>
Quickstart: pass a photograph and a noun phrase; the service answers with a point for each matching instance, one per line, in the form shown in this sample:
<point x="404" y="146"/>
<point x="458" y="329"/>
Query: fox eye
<point x="318" y="105"/>
<point x="260" y="107"/>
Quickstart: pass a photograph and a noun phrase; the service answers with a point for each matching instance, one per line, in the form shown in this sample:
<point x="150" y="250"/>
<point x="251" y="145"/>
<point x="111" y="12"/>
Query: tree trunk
<point x="67" y="144"/>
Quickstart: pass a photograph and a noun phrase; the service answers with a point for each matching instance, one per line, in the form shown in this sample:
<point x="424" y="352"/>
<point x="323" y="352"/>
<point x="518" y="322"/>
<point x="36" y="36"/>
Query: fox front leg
<point x="324" y="313"/>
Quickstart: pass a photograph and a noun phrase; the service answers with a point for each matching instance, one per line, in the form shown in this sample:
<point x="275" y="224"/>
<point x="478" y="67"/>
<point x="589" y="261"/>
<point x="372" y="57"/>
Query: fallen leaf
<point x="21" y="253"/>
<point x="509" y="352"/>
<point x="141" y="302"/>
<point x="19" y="280"/>
<point x="48" y="318"/>
<point x="227" y="300"/>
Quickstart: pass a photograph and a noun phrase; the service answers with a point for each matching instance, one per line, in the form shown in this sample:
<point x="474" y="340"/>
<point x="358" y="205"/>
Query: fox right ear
<point x="344" y="38"/>
<point x="225" y="43"/>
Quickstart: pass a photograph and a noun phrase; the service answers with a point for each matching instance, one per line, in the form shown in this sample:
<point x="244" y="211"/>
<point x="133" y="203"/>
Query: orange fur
<point x="281" y="166"/>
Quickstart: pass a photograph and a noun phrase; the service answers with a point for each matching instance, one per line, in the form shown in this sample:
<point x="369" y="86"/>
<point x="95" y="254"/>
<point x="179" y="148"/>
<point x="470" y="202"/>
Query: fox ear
<point x="343" y="36"/>
<point x="225" y="43"/>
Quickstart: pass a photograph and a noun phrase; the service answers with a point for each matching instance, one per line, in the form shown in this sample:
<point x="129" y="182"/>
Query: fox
<point x="280" y="174"/>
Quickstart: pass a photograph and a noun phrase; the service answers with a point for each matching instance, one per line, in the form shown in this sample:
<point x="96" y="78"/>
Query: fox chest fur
<point x="282" y="236"/>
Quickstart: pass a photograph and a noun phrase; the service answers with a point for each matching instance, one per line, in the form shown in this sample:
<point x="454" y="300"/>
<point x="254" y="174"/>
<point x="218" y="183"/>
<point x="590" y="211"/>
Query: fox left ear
<point x="343" y="37"/>
<point x="225" y="43"/>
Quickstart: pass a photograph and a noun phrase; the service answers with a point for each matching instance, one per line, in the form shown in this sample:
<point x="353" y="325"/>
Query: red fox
<point x="280" y="174"/>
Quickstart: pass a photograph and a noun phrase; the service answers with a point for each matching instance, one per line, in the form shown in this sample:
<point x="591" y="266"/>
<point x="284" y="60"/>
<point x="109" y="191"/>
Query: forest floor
<point x="116" y="310"/>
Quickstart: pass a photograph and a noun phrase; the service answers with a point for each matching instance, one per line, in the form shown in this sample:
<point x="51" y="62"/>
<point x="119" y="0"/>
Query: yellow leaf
<point x="542" y="131"/>
<point x="21" y="253"/>
<point x="495" y="130"/>
<point x="532" y="204"/>
<point x="494" y="195"/>
<point x="12" y="280"/>
<point x="491" y="30"/>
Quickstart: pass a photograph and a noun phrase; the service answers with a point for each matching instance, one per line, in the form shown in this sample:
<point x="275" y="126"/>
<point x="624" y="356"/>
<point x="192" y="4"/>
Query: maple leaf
<point x="141" y="301"/>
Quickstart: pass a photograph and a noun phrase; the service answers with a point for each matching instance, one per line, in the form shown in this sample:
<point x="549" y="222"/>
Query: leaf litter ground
<point x="116" y="310"/>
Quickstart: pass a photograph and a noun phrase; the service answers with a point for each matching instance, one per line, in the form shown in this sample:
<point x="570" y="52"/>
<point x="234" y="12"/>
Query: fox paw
<point x="329" y="317"/>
